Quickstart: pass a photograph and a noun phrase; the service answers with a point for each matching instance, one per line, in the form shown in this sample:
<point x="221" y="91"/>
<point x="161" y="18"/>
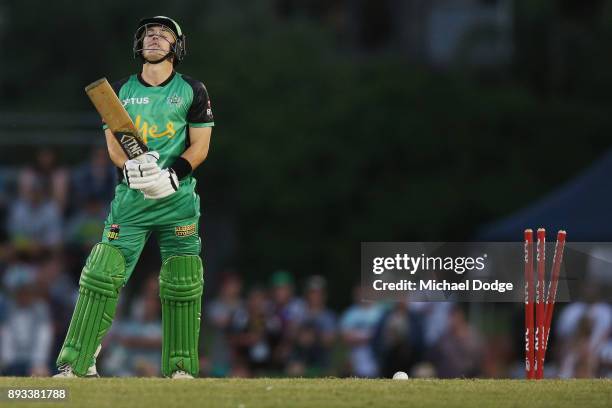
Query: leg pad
<point x="180" y="289"/>
<point x="101" y="280"/>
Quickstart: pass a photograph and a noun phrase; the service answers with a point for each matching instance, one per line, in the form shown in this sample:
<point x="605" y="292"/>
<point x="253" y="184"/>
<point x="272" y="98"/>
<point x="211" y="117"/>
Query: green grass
<point x="318" y="393"/>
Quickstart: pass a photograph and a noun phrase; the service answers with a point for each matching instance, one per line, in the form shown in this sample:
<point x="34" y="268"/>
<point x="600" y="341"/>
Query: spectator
<point x="150" y="289"/>
<point x="60" y="293"/>
<point x="583" y="329"/>
<point x="312" y="346"/>
<point x="222" y="311"/>
<point x="85" y="228"/>
<point x="458" y="352"/>
<point x="287" y="307"/>
<point x="2" y="314"/>
<point x="137" y="341"/>
<point x="435" y="317"/>
<point x="95" y="179"/>
<point x="357" y="326"/>
<point x="605" y="360"/>
<point x="288" y="312"/>
<point x="399" y="339"/>
<point x="4" y="200"/>
<point x="34" y="221"/>
<point x="579" y="358"/>
<point x="46" y="172"/>
<point x="27" y="331"/>
<point x="316" y="311"/>
<point x="308" y="356"/>
<point x="253" y="331"/>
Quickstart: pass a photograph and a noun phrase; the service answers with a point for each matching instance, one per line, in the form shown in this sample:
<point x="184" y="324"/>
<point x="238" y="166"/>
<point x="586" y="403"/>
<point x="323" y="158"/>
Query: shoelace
<point x="65" y="369"/>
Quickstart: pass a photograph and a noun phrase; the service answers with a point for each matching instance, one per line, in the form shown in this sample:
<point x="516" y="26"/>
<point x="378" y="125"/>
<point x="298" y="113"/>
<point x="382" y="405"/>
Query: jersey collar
<point x="148" y="85"/>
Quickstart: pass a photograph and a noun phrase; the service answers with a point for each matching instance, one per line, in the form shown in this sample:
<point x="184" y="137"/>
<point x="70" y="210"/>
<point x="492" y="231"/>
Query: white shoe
<point x="65" y="371"/>
<point x="181" y="375"/>
<point x="92" y="372"/>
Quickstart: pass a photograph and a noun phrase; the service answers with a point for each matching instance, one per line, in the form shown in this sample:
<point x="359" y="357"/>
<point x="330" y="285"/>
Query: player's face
<point x="157" y="42"/>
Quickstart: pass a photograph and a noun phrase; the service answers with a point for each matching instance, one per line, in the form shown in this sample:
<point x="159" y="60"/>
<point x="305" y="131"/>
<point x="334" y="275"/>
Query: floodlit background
<point x="337" y="122"/>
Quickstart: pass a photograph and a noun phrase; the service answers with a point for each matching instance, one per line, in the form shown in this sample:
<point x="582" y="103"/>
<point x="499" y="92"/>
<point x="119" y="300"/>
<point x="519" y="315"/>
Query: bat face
<point x="116" y="117"/>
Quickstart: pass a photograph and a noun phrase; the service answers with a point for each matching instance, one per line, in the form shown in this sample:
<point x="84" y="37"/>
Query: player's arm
<point x="116" y="153"/>
<point x="200" y="121"/>
<point x="197" y="151"/>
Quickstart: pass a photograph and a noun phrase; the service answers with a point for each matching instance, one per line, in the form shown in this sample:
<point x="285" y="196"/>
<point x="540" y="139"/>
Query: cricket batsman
<point x="156" y="195"/>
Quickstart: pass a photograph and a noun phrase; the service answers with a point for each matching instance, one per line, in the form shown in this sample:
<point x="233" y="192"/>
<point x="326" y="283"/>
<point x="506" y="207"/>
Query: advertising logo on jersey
<point x="135" y="101"/>
<point x="150" y="130"/>
<point x="185" y="230"/>
<point x="113" y="232"/>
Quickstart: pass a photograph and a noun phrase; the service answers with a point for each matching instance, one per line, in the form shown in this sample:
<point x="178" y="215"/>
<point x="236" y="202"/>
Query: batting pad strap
<point x="181" y="292"/>
<point x="101" y="279"/>
<point x="180" y="289"/>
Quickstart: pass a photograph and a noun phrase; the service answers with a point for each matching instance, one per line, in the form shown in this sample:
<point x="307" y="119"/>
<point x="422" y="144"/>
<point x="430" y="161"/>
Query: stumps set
<point x="537" y="330"/>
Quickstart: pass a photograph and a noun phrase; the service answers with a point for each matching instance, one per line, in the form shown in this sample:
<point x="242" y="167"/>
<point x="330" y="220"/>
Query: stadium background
<point x="337" y="122"/>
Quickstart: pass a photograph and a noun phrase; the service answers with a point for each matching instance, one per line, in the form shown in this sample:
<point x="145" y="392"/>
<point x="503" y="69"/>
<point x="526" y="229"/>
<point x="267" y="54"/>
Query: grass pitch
<point x="315" y="393"/>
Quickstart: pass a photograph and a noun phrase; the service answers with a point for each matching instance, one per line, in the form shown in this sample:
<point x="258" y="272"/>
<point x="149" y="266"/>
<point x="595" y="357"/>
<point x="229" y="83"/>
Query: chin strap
<point x="167" y="57"/>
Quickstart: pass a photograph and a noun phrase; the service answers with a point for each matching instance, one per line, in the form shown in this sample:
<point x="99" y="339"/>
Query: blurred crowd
<point x="53" y="215"/>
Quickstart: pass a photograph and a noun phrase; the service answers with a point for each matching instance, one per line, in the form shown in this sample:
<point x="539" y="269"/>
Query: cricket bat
<point x="116" y="118"/>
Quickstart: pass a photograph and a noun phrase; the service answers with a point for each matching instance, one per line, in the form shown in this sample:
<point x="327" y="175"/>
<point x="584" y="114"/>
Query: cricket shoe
<point x="181" y="375"/>
<point x="65" y="371"/>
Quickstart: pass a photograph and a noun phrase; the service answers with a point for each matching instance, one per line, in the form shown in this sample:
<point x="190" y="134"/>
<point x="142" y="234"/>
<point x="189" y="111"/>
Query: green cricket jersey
<point x="164" y="113"/>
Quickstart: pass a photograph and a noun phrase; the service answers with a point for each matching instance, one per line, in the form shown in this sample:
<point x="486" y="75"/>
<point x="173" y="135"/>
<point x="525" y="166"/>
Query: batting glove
<point x="166" y="184"/>
<point x="142" y="172"/>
